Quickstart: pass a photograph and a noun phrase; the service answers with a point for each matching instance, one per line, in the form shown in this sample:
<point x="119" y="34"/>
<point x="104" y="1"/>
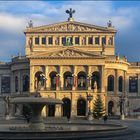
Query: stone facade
<point x="70" y="60"/>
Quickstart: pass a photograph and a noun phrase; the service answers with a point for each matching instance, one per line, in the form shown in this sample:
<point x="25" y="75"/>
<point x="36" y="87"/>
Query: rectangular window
<point x="43" y="40"/>
<point x="5" y="84"/>
<point x="97" y="40"/>
<point x="37" y="40"/>
<point x="103" y="40"/>
<point x="77" y="40"/>
<point x="50" y="40"/>
<point x="64" y="41"/>
<point x="133" y="84"/>
<point x="90" y="40"/>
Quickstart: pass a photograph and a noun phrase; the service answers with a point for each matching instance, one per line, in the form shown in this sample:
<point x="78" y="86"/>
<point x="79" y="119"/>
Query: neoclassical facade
<point x="70" y="61"/>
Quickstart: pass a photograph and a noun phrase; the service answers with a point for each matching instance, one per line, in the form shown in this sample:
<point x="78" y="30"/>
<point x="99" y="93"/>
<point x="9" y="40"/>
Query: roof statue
<point x="70" y="12"/>
<point x="30" y="24"/>
<point x="109" y="23"/>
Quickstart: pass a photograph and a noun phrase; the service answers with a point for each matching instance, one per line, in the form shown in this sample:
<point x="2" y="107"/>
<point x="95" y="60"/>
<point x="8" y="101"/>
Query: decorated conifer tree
<point x="99" y="109"/>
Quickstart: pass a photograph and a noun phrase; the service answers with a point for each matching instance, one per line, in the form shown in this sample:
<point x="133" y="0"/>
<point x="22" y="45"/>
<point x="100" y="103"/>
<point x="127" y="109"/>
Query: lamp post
<point x="89" y="99"/>
<point x="122" y="103"/>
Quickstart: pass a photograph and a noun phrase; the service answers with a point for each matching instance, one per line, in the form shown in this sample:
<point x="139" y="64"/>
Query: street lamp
<point x="122" y="103"/>
<point x="89" y="99"/>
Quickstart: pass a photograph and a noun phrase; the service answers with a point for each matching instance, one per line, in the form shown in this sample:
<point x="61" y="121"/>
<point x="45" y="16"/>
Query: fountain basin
<point x="36" y="104"/>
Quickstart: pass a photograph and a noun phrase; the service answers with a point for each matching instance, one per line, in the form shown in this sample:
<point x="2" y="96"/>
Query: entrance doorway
<point x="81" y="107"/>
<point x="66" y="107"/>
<point x="51" y="110"/>
<point x="110" y="108"/>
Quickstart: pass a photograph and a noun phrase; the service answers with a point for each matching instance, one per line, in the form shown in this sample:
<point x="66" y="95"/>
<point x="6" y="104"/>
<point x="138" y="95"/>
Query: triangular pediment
<point x="66" y="53"/>
<point x="70" y="26"/>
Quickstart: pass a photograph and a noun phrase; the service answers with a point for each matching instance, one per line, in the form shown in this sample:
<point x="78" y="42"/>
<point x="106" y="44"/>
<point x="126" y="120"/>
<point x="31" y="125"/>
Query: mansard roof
<point x="70" y="26"/>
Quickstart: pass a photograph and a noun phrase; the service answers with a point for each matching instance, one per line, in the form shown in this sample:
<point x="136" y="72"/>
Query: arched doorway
<point x="51" y="110"/>
<point x="66" y="106"/>
<point x="82" y="80"/>
<point x="110" y="108"/>
<point x="81" y="107"/>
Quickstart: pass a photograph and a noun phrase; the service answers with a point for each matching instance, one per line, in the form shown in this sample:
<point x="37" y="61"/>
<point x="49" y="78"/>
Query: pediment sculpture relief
<point x="70" y="27"/>
<point x="68" y="53"/>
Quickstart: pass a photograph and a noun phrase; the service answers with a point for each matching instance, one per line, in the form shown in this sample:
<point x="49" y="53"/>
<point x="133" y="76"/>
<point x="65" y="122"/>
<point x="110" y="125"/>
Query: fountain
<point x="36" y="104"/>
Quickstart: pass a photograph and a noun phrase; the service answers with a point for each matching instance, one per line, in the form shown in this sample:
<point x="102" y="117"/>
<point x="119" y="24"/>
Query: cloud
<point x="15" y="15"/>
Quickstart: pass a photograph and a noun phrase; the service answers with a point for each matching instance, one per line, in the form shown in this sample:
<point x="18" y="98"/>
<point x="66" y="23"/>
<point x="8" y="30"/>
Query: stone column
<point x="11" y="82"/>
<point x="139" y="84"/>
<point x="57" y="107"/>
<point x="46" y="40"/>
<point x="124" y="83"/>
<point x="89" y="78"/>
<point x="113" y="41"/>
<point x="73" y="105"/>
<point x="86" y="40"/>
<point x="57" y="81"/>
<point x="80" y="40"/>
<point x="61" y="80"/>
<point x="100" y="40"/>
<point x="102" y="79"/>
<point x="74" y="78"/>
<point x="60" y="41"/>
<point x="40" y="40"/>
<point x="116" y="82"/>
<point x="0" y="83"/>
<point x="19" y="82"/>
<point x="47" y="77"/>
<point x="53" y="38"/>
<point x="31" y="78"/>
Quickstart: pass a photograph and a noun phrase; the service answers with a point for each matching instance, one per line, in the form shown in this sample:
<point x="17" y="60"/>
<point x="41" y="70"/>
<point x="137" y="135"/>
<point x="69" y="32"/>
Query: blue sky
<point x="125" y="16"/>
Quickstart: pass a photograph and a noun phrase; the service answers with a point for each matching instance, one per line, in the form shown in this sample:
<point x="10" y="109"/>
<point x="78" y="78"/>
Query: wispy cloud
<point x="15" y="15"/>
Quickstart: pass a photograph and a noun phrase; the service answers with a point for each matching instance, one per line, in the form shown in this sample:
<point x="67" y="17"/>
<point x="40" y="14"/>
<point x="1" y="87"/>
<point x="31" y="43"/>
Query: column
<point x="53" y="38"/>
<point x="74" y="105"/>
<point x="46" y="40"/>
<point x="93" y="40"/>
<point x="100" y="40"/>
<point x="57" y="81"/>
<point x="89" y="78"/>
<point x="61" y="79"/>
<point x="116" y="82"/>
<point x="47" y="77"/>
<point x="40" y="40"/>
<point x="11" y="82"/>
<point x="86" y="40"/>
<point x="107" y="37"/>
<point x="74" y="78"/>
<point x="102" y="79"/>
<point x="19" y="82"/>
<point x="113" y="40"/>
<point x="124" y="83"/>
<point x="57" y="106"/>
<point x="0" y="83"/>
<point x="80" y="40"/>
<point x="138" y="84"/>
<point x="31" y="78"/>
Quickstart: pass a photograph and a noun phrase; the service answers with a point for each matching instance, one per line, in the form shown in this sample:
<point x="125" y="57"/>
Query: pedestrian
<point x="68" y="117"/>
<point x="105" y="118"/>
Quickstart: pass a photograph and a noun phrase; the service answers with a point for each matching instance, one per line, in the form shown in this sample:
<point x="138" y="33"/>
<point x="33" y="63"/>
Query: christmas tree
<point x="99" y="109"/>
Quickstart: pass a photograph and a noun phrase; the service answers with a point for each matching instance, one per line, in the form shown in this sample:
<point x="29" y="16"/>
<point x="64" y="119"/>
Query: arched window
<point x="110" y="86"/>
<point x="53" y="80"/>
<point x="82" y="80"/>
<point x="25" y="83"/>
<point x="39" y="80"/>
<point x="120" y="84"/>
<point x="16" y="84"/>
<point x="95" y="77"/>
<point x="68" y="80"/>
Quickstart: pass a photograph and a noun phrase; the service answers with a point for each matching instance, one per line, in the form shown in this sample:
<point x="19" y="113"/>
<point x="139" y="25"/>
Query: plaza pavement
<point x="132" y="123"/>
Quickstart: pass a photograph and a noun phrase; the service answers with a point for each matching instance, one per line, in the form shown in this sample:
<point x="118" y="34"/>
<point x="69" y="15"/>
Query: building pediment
<point x="66" y="53"/>
<point x="70" y="27"/>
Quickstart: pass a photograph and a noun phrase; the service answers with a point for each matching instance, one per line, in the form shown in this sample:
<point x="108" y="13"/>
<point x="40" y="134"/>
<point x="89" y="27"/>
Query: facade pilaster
<point x="139" y="84"/>
<point x="47" y="77"/>
<point x="31" y="78"/>
<point x="124" y="84"/>
<point x="0" y="83"/>
<point x="74" y="105"/>
<point x="89" y="78"/>
<point x="100" y="40"/>
<point x="19" y="82"/>
<point x="102" y="78"/>
<point x="116" y="82"/>
<point x="61" y="80"/>
<point x="58" y="107"/>
<point x="74" y="78"/>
